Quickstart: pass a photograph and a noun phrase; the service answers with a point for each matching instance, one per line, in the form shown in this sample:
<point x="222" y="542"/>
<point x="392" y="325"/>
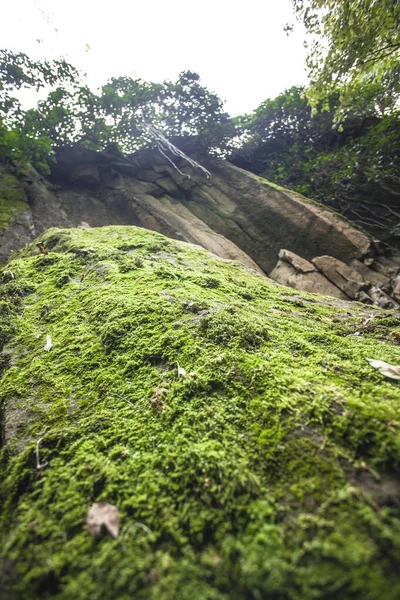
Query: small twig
<point x="124" y="399"/>
<point x="39" y="466"/>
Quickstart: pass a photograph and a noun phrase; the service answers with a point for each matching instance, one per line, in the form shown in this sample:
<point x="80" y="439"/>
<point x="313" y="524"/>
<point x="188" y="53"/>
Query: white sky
<point x="239" y="49"/>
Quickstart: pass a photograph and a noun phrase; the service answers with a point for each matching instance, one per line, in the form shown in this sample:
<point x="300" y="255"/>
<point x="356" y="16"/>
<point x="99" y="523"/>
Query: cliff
<point x="232" y="213"/>
<point x="235" y="424"/>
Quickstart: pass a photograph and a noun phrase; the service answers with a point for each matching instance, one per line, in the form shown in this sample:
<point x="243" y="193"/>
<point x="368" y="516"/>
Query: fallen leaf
<point x="102" y="513"/>
<point x="181" y="371"/>
<point x="49" y="343"/>
<point x="42" y="248"/>
<point x="157" y="398"/>
<point x="391" y="371"/>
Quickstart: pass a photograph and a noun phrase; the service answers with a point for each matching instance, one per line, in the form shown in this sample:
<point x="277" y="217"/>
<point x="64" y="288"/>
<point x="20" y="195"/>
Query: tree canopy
<point x="355" y="44"/>
<point x="119" y="113"/>
<point x="337" y="141"/>
<point x="21" y="136"/>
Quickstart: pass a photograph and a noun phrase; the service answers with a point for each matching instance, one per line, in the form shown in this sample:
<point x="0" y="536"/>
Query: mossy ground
<point x="271" y="470"/>
<point x="12" y="198"/>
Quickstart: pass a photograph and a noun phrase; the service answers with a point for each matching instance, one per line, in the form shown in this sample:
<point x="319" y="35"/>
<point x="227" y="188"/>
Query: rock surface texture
<point x="231" y="430"/>
<point x="234" y="214"/>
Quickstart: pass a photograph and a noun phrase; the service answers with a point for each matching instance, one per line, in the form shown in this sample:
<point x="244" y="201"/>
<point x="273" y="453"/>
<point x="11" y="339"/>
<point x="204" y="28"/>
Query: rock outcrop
<point x="332" y="277"/>
<point x="297" y="273"/>
<point x="234" y="214"/>
<point x="236" y="427"/>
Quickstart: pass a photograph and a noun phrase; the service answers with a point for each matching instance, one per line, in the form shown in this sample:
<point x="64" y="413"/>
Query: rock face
<point x="332" y="277"/>
<point x="297" y="273"/>
<point x="344" y="277"/>
<point x="234" y="214"/>
<point x="246" y="444"/>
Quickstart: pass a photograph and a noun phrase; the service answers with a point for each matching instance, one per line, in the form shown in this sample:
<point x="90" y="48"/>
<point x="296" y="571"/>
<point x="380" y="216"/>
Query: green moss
<point x="12" y="198"/>
<point x="269" y="471"/>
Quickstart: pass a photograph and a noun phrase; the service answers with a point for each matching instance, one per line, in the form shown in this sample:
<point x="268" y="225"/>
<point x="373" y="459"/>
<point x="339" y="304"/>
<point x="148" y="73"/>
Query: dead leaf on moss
<point x="49" y="343"/>
<point x="156" y="399"/>
<point x="391" y="371"/>
<point x="42" y="248"/>
<point x="102" y="513"/>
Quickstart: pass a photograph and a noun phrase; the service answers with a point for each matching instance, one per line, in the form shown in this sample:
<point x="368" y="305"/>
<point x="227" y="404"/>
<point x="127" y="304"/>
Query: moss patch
<point x="12" y="198"/>
<point x="269" y="470"/>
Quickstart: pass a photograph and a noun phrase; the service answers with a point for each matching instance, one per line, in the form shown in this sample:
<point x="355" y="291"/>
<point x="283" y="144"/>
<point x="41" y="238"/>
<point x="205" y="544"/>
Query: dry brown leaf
<point x="102" y="513"/>
<point x="391" y="371"/>
<point x="156" y="399"/>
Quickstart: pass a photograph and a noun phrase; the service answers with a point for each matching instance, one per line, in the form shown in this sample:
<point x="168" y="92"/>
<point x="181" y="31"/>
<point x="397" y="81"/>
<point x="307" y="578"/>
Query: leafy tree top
<point x="355" y="44"/>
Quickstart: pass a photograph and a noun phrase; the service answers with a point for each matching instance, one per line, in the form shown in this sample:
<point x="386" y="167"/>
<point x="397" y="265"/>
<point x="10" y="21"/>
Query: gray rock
<point x="344" y="277"/>
<point x="374" y="277"/>
<point x="386" y="266"/>
<point x="86" y="175"/>
<point x="381" y="299"/>
<point x="300" y="264"/>
<point x="396" y="288"/>
<point x="312" y="281"/>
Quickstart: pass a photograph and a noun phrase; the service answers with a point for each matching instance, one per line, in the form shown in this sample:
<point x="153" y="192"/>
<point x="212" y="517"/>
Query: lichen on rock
<point x="267" y="468"/>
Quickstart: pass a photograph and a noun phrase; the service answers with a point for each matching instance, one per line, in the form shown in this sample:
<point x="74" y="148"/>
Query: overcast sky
<point x="239" y="49"/>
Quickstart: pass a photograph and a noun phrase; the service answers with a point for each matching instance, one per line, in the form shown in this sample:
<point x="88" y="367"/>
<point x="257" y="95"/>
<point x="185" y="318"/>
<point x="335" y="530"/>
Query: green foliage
<point x="21" y="138"/>
<point x="356" y="43"/>
<point x="270" y="472"/>
<point x="177" y="109"/>
<point x="119" y="113"/>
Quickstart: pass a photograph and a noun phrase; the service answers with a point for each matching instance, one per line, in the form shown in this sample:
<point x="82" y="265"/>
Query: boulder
<point x="301" y="265"/>
<point x="386" y="265"/>
<point x="381" y="299"/>
<point x="344" y="277"/>
<point x="374" y="277"/>
<point x="396" y="289"/>
<point x="297" y="273"/>
<point x="231" y="427"/>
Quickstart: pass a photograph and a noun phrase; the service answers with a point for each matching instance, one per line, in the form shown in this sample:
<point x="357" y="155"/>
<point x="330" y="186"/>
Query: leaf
<point x="391" y="371"/>
<point x="49" y="343"/>
<point x="181" y="371"/>
<point x="157" y="398"/>
<point x="102" y="513"/>
<point x="42" y="248"/>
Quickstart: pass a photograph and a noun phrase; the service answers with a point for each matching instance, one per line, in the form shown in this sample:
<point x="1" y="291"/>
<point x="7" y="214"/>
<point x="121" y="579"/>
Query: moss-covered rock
<point x="249" y="447"/>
